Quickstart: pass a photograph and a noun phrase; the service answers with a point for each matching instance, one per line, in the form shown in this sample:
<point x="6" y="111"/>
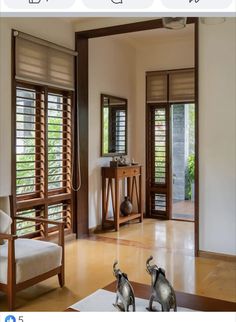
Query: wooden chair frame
<point x="11" y="288"/>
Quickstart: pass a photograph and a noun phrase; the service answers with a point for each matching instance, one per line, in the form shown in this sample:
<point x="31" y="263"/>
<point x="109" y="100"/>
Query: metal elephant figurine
<point x="124" y="291"/>
<point x="162" y="291"/>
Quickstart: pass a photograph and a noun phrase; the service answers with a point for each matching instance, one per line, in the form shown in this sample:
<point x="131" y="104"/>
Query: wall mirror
<point x="114" y="125"/>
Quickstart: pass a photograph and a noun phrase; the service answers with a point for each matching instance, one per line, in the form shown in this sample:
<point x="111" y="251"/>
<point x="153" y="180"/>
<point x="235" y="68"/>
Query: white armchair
<point x="25" y="262"/>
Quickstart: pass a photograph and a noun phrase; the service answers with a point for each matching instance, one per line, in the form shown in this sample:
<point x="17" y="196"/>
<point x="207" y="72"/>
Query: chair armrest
<point x="8" y="236"/>
<point x="41" y="220"/>
<point x="60" y="225"/>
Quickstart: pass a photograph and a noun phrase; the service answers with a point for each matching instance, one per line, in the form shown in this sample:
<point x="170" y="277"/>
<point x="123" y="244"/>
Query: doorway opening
<point x="183" y="161"/>
<point x="158" y="204"/>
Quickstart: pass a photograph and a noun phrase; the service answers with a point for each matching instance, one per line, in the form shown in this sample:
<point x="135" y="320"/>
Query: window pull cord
<point x="76" y="189"/>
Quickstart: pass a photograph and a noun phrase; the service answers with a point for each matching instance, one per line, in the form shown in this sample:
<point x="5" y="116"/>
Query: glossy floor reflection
<point x="89" y="265"/>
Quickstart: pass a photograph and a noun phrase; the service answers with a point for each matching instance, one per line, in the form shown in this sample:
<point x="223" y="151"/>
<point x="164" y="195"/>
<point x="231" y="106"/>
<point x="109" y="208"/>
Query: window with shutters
<point x="42" y="151"/>
<point x="43" y="156"/>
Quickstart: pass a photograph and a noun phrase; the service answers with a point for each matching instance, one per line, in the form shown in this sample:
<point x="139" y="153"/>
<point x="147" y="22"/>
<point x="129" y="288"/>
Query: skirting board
<point x="217" y="256"/>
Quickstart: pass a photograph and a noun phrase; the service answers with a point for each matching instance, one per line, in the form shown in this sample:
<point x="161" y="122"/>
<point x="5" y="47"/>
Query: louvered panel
<point x="120" y="137"/>
<point x="158" y="204"/>
<point x="157" y="161"/>
<point x="59" y="142"/>
<point x="60" y="212"/>
<point x="158" y="145"/>
<point x="26" y="228"/>
<point x="156" y="87"/>
<point x="117" y="130"/>
<point x="29" y="141"/>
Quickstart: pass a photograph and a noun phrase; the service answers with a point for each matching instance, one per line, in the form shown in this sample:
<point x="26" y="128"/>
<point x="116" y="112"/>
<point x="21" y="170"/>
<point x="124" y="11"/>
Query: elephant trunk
<point x="114" y="266"/>
<point x="147" y="263"/>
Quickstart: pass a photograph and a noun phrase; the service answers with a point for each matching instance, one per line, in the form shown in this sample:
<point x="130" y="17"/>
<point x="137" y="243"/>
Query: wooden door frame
<point x="81" y="71"/>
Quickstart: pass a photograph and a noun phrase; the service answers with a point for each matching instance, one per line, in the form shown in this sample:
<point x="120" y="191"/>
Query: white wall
<point x="218" y="137"/>
<point x="111" y="71"/>
<point x="52" y="29"/>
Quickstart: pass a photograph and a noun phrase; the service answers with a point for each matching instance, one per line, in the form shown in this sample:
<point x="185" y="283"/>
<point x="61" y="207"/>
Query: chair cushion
<point x="33" y="258"/>
<point x="5" y="224"/>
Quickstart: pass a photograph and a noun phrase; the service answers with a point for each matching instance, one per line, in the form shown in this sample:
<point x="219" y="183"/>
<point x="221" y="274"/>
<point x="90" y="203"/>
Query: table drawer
<point x="128" y="172"/>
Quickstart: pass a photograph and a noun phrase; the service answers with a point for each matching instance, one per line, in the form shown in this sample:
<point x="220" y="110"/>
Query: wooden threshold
<point x="217" y="256"/>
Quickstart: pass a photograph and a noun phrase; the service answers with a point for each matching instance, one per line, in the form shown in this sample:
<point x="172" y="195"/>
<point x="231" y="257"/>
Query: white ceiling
<point x="150" y="37"/>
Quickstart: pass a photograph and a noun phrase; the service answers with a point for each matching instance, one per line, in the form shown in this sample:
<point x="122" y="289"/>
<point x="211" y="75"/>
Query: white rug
<point x="102" y="301"/>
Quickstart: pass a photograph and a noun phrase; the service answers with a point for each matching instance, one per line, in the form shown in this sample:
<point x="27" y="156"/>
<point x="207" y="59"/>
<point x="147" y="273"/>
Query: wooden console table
<point x="111" y="179"/>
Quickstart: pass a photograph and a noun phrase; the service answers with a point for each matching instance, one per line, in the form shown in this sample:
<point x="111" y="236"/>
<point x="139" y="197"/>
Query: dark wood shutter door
<point x="158" y="143"/>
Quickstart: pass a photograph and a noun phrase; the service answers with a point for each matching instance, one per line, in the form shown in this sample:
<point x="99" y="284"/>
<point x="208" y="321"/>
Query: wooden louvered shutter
<point x="30" y="141"/>
<point x="117" y="130"/>
<point x="43" y="158"/>
<point x="158" y="156"/>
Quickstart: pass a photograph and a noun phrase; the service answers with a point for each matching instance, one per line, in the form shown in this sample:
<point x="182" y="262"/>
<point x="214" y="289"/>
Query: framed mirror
<point x="114" y="125"/>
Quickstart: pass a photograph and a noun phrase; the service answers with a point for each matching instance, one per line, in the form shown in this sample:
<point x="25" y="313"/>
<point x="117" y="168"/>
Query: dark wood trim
<point x="126" y="28"/>
<point x="13" y="132"/>
<point x="196" y="204"/>
<point x="183" y="220"/>
<point x="82" y="126"/>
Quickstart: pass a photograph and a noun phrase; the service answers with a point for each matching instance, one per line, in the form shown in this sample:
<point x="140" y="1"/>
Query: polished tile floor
<point x="183" y="210"/>
<point x="89" y="265"/>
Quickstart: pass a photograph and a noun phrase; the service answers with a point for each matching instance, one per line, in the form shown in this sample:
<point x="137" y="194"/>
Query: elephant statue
<point x="162" y="290"/>
<point x="124" y="291"/>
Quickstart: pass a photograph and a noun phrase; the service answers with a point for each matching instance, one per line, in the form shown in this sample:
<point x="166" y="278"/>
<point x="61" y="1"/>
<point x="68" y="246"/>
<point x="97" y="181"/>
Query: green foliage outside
<point x="190" y="167"/>
<point x="190" y="175"/>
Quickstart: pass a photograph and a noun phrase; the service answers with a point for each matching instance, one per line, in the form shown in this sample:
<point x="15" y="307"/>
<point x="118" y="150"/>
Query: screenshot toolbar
<point x="120" y="6"/>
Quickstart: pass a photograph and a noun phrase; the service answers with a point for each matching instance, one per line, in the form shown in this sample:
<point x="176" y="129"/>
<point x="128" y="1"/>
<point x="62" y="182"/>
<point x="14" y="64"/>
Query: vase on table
<point x="126" y="207"/>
